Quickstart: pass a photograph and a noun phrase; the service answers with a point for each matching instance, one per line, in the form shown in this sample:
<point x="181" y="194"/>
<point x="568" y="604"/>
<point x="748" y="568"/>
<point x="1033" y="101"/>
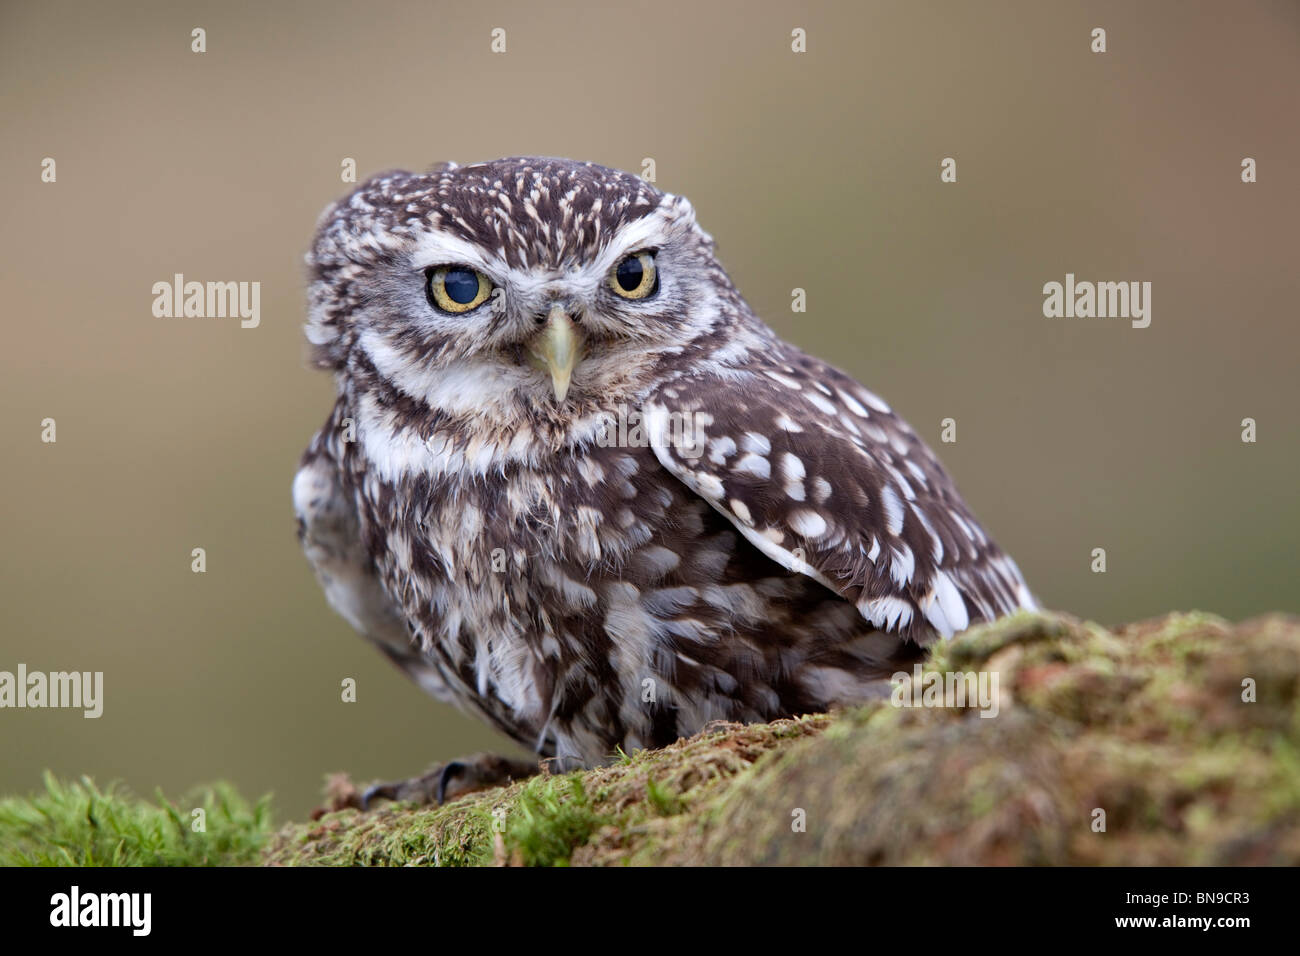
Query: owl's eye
<point x="457" y="289"/>
<point x="635" y="277"/>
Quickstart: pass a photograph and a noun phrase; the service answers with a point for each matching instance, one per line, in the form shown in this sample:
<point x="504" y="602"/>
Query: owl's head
<point x="514" y="282"/>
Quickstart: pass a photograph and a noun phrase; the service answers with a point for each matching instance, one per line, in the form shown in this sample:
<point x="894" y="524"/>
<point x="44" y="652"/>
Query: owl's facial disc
<point x="557" y="348"/>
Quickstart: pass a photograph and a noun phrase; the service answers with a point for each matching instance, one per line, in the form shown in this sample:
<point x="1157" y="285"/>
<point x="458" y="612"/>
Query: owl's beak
<point x="557" y="349"/>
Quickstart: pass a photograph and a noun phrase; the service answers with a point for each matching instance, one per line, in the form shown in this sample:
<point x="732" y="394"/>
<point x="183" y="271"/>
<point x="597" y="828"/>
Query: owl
<point x="573" y="485"/>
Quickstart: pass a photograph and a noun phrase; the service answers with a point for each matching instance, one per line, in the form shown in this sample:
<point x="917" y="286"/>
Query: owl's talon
<point x="450" y="770"/>
<point x="385" y="790"/>
<point x="452" y="780"/>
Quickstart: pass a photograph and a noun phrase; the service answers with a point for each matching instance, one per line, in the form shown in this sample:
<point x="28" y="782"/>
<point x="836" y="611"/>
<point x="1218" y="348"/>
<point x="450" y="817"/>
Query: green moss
<point x="551" y="816"/>
<point x="664" y="801"/>
<point x="615" y="814"/>
<point x="459" y="834"/>
<point x="77" y="824"/>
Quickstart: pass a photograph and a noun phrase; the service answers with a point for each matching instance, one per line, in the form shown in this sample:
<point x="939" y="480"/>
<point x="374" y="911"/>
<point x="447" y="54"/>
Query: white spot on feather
<point x="903" y="566"/>
<point x="822" y="404"/>
<point x="808" y="523"/>
<point x="792" y="467"/>
<point x="853" y="405"/>
<point x="893" y="510"/>
<point x="756" y="465"/>
<point x="721" y="448"/>
<point x="874" y="401"/>
<point x="886" y="612"/>
<point x="709" y="485"/>
<point x="741" y="511"/>
<point x="944" y="607"/>
<point x="784" y="380"/>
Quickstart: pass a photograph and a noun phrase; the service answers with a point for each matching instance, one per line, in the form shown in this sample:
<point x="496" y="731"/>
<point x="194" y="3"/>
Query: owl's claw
<point x="451" y="770"/>
<point x="453" y="779"/>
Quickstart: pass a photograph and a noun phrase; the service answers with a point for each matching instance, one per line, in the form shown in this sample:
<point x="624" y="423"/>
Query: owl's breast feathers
<point x="778" y="542"/>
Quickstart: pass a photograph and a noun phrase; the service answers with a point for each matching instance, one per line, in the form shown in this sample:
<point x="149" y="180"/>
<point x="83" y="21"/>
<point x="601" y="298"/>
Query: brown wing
<point x="825" y="479"/>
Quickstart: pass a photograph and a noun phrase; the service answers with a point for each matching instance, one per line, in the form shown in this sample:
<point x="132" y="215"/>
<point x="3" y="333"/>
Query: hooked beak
<point x="557" y="349"/>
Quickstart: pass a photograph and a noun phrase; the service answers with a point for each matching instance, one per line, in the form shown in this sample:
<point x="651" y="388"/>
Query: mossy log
<point x="1173" y="741"/>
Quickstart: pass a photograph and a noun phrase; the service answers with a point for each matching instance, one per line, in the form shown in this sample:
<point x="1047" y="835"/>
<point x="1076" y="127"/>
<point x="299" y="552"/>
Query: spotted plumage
<point x="600" y="515"/>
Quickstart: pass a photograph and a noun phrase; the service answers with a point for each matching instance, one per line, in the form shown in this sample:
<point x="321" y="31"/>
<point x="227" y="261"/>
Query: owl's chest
<point x="547" y="597"/>
<point x="528" y="590"/>
<point x="530" y="553"/>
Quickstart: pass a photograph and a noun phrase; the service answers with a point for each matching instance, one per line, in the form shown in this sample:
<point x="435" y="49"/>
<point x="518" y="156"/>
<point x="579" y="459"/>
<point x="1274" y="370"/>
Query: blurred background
<point x="817" y="170"/>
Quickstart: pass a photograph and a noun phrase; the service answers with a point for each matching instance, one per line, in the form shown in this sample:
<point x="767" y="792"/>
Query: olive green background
<point x="818" y="170"/>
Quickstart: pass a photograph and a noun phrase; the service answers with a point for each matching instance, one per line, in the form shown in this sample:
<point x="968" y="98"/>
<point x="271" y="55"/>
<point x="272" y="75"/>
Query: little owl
<point x="573" y="485"/>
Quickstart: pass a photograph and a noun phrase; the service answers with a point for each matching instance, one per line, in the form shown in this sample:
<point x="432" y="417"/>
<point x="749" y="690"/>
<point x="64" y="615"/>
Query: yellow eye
<point x="635" y="277"/>
<point x="457" y="289"/>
